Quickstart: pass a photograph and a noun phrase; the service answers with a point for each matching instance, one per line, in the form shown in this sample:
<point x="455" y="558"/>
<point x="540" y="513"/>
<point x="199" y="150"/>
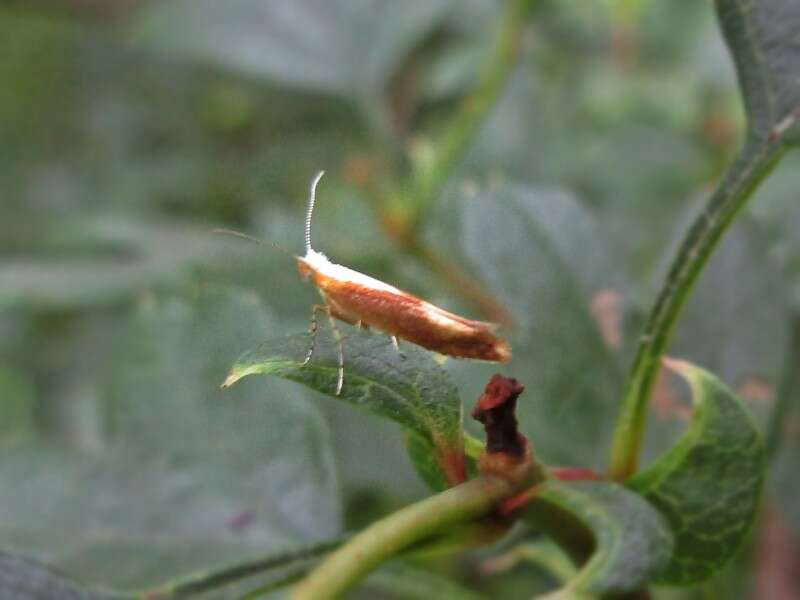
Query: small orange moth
<point x="364" y="301"/>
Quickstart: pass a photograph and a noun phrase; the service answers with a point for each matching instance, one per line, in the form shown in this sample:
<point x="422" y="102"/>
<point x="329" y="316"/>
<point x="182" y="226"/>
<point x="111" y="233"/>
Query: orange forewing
<point x="409" y="318"/>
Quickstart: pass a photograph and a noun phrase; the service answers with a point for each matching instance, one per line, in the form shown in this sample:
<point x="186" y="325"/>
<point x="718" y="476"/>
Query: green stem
<point x="402" y="207"/>
<point x="455" y="539"/>
<point x="465" y="124"/>
<point x="787" y="392"/>
<point x="204" y="581"/>
<point x="380" y="541"/>
<point x="755" y="161"/>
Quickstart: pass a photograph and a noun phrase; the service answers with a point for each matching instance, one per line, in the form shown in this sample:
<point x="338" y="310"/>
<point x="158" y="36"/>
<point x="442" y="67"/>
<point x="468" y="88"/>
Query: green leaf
<point x="407" y="386"/>
<point x="25" y="579"/>
<point x="331" y="46"/>
<point x="528" y="246"/>
<point x="619" y="539"/>
<point x="181" y="476"/>
<point x="709" y="483"/>
<point x="763" y="38"/>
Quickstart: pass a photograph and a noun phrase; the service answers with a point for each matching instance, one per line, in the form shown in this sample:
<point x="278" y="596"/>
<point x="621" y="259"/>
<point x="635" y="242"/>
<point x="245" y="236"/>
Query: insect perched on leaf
<point x="366" y="302"/>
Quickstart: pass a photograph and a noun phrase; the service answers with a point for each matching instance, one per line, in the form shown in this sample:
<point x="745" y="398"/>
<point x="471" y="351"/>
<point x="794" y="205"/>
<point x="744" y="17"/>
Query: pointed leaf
<point x="765" y="43"/>
<point x="709" y="483"/>
<point x="620" y="540"/>
<point x="406" y="386"/>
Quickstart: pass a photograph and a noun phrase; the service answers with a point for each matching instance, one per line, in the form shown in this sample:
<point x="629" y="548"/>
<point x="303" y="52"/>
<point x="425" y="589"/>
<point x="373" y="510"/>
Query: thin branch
<point x="465" y="124"/>
<point x="787" y="393"/>
<point x="389" y="536"/>
<point x="403" y="208"/>
<point x="737" y="187"/>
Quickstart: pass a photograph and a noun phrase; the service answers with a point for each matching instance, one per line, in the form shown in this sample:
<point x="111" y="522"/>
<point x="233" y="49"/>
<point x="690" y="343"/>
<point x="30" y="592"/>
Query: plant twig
<point x="382" y="540"/>
<point x="738" y="185"/>
<point x="465" y="124"/>
<point x="787" y="392"/>
<point x="404" y="207"/>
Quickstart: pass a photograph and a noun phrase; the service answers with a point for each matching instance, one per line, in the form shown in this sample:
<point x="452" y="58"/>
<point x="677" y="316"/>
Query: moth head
<point x="311" y="263"/>
<point x="305" y="270"/>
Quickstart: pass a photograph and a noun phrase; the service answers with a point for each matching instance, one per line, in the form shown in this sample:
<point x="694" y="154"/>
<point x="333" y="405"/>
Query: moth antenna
<point x="311" y="200"/>
<point x="251" y="238"/>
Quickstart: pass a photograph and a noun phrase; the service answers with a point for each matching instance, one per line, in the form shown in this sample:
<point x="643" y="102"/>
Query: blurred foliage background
<point x="131" y="129"/>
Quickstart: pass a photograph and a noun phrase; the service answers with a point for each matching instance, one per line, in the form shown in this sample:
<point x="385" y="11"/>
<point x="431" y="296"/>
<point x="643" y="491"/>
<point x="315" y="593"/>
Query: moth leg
<point x="395" y="343"/>
<point x="312" y="328"/>
<point x="339" y="342"/>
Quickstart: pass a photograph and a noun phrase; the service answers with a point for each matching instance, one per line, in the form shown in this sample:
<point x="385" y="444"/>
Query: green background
<point x="128" y="131"/>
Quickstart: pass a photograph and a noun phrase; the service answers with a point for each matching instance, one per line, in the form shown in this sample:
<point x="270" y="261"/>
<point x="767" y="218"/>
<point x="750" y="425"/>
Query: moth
<point x="363" y="301"/>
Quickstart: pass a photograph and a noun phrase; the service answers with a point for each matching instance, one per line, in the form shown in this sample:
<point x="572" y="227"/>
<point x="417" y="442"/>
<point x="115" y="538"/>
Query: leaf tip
<point x="232" y="378"/>
<point x="240" y="371"/>
<point x="678" y="365"/>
